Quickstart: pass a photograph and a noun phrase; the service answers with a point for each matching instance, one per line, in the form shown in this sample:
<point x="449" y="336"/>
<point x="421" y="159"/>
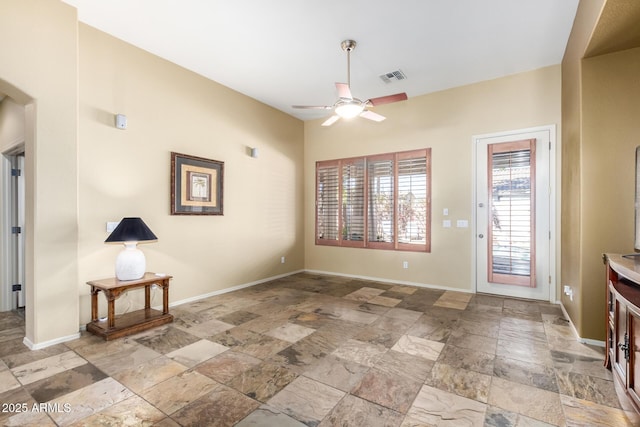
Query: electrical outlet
<point x="405" y="264"/>
<point x="281" y="260"/>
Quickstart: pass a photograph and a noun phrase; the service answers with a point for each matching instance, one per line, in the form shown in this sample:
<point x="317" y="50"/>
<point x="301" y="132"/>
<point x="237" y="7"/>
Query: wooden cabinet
<point x="623" y="326"/>
<point x="633" y="345"/>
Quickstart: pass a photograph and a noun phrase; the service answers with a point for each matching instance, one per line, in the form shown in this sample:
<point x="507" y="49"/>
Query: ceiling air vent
<point x="393" y="76"/>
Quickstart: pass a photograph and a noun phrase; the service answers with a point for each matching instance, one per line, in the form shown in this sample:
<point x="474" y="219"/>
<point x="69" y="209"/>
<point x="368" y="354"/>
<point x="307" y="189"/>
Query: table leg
<point x="147" y="297"/>
<point x="165" y="297"/>
<point x="111" y="312"/>
<point x="94" y="304"/>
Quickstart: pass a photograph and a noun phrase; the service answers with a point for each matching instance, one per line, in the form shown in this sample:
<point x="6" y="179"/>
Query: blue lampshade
<point x="131" y="230"/>
<point x="131" y="263"/>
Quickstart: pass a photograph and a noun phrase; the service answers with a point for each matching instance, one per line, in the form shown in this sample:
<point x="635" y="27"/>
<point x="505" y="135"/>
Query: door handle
<point x="481" y="235"/>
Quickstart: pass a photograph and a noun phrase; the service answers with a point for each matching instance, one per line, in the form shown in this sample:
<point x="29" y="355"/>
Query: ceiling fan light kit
<point x="347" y="106"/>
<point x="349" y="109"/>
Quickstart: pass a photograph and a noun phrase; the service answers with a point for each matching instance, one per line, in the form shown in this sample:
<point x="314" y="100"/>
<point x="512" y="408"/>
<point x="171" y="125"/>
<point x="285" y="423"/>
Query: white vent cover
<point x="393" y="76"/>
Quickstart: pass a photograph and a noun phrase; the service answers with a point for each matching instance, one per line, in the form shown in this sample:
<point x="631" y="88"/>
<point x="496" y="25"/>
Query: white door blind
<point x="512" y="206"/>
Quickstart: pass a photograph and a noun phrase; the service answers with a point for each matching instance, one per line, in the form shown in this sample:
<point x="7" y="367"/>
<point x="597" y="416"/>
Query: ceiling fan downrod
<point x="348" y="46"/>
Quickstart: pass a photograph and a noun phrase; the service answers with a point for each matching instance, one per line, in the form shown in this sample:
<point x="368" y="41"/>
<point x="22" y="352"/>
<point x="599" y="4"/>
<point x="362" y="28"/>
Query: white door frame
<point x="552" y="201"/>
<point x="5" y="237"/>
<point x="8" y="259"/>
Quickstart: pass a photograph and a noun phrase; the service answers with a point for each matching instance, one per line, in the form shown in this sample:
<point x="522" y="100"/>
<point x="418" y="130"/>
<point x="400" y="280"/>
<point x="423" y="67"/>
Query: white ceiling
<point x="284" y="52"/>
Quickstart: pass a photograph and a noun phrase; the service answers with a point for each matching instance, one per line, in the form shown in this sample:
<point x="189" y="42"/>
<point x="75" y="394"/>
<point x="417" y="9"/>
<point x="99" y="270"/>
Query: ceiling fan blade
<point x="313" y="107"/>
<point x="372" y="116"/>
<point x="343" y="90"/>
<point x="331" y="120"/>
<point x="388" y="99"/>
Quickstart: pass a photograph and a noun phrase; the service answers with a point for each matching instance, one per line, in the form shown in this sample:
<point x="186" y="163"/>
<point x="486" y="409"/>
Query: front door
<point x="513" y="212"/>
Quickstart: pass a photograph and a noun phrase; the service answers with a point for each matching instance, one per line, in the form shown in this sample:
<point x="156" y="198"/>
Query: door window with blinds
<point x="511" y="254"/>
<point x="379" y="202"/>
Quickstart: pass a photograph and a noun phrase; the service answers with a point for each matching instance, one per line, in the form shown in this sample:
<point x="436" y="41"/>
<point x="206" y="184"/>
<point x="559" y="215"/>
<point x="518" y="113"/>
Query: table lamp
<point x="130" y="263"/>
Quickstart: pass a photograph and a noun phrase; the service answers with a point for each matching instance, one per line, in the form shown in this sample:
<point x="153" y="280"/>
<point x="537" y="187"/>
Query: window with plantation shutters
<point x="378" y="202"/>
<point x="327" y="202"/>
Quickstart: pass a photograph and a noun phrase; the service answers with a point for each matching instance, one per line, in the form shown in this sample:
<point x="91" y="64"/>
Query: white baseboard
<point x="227" y="290"/>
<point x="587" y="341"/>
<point x="39" y="346"/>
<point x="391" y="281"/>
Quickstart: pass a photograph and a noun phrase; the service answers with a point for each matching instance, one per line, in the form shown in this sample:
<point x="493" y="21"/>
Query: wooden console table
<point x="135" y="321"/>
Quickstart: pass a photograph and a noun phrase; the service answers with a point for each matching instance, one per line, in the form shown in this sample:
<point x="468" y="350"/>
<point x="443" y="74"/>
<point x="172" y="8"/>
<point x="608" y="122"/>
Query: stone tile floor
<point x="319" y="350"/>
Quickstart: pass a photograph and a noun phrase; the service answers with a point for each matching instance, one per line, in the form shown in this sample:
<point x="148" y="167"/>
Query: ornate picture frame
<point x="196" y="185"/>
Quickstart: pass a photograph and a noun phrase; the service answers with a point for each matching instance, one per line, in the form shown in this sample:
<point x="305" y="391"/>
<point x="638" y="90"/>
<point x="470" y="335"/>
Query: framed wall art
<point x="196" y="185"/>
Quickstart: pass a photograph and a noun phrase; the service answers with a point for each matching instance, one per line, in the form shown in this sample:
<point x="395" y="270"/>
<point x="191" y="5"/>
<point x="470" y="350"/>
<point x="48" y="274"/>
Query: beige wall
<point x="12" y="117"/>
<point x="584" y="23"/>
<point x="600" y="121"/>
<point x="38" y="41"/>
<point x="127" y="172"/>
<point x="82" y="172"/>
<point x="610" y="135"/>
<point x="446" y="122"/>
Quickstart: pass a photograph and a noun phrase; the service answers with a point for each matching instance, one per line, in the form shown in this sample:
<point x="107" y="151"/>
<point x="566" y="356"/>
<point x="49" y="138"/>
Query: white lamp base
<point x="130" y="263"/>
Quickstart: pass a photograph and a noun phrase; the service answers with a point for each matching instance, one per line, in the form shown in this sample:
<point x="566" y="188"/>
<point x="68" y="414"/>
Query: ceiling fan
<point x="347" y="106"/>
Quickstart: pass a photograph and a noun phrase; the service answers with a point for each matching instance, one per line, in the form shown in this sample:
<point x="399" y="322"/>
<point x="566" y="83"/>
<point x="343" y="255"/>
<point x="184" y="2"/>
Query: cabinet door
<point x="634" y="356"/>
<point x="610" y="344"/>
<point x="619" y="359"/>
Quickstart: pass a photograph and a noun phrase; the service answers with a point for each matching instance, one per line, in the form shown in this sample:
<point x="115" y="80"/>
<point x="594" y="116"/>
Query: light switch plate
<point x="446" y="223"/>
<point x="112" y="226"/>
<point x="462" y="223"/>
